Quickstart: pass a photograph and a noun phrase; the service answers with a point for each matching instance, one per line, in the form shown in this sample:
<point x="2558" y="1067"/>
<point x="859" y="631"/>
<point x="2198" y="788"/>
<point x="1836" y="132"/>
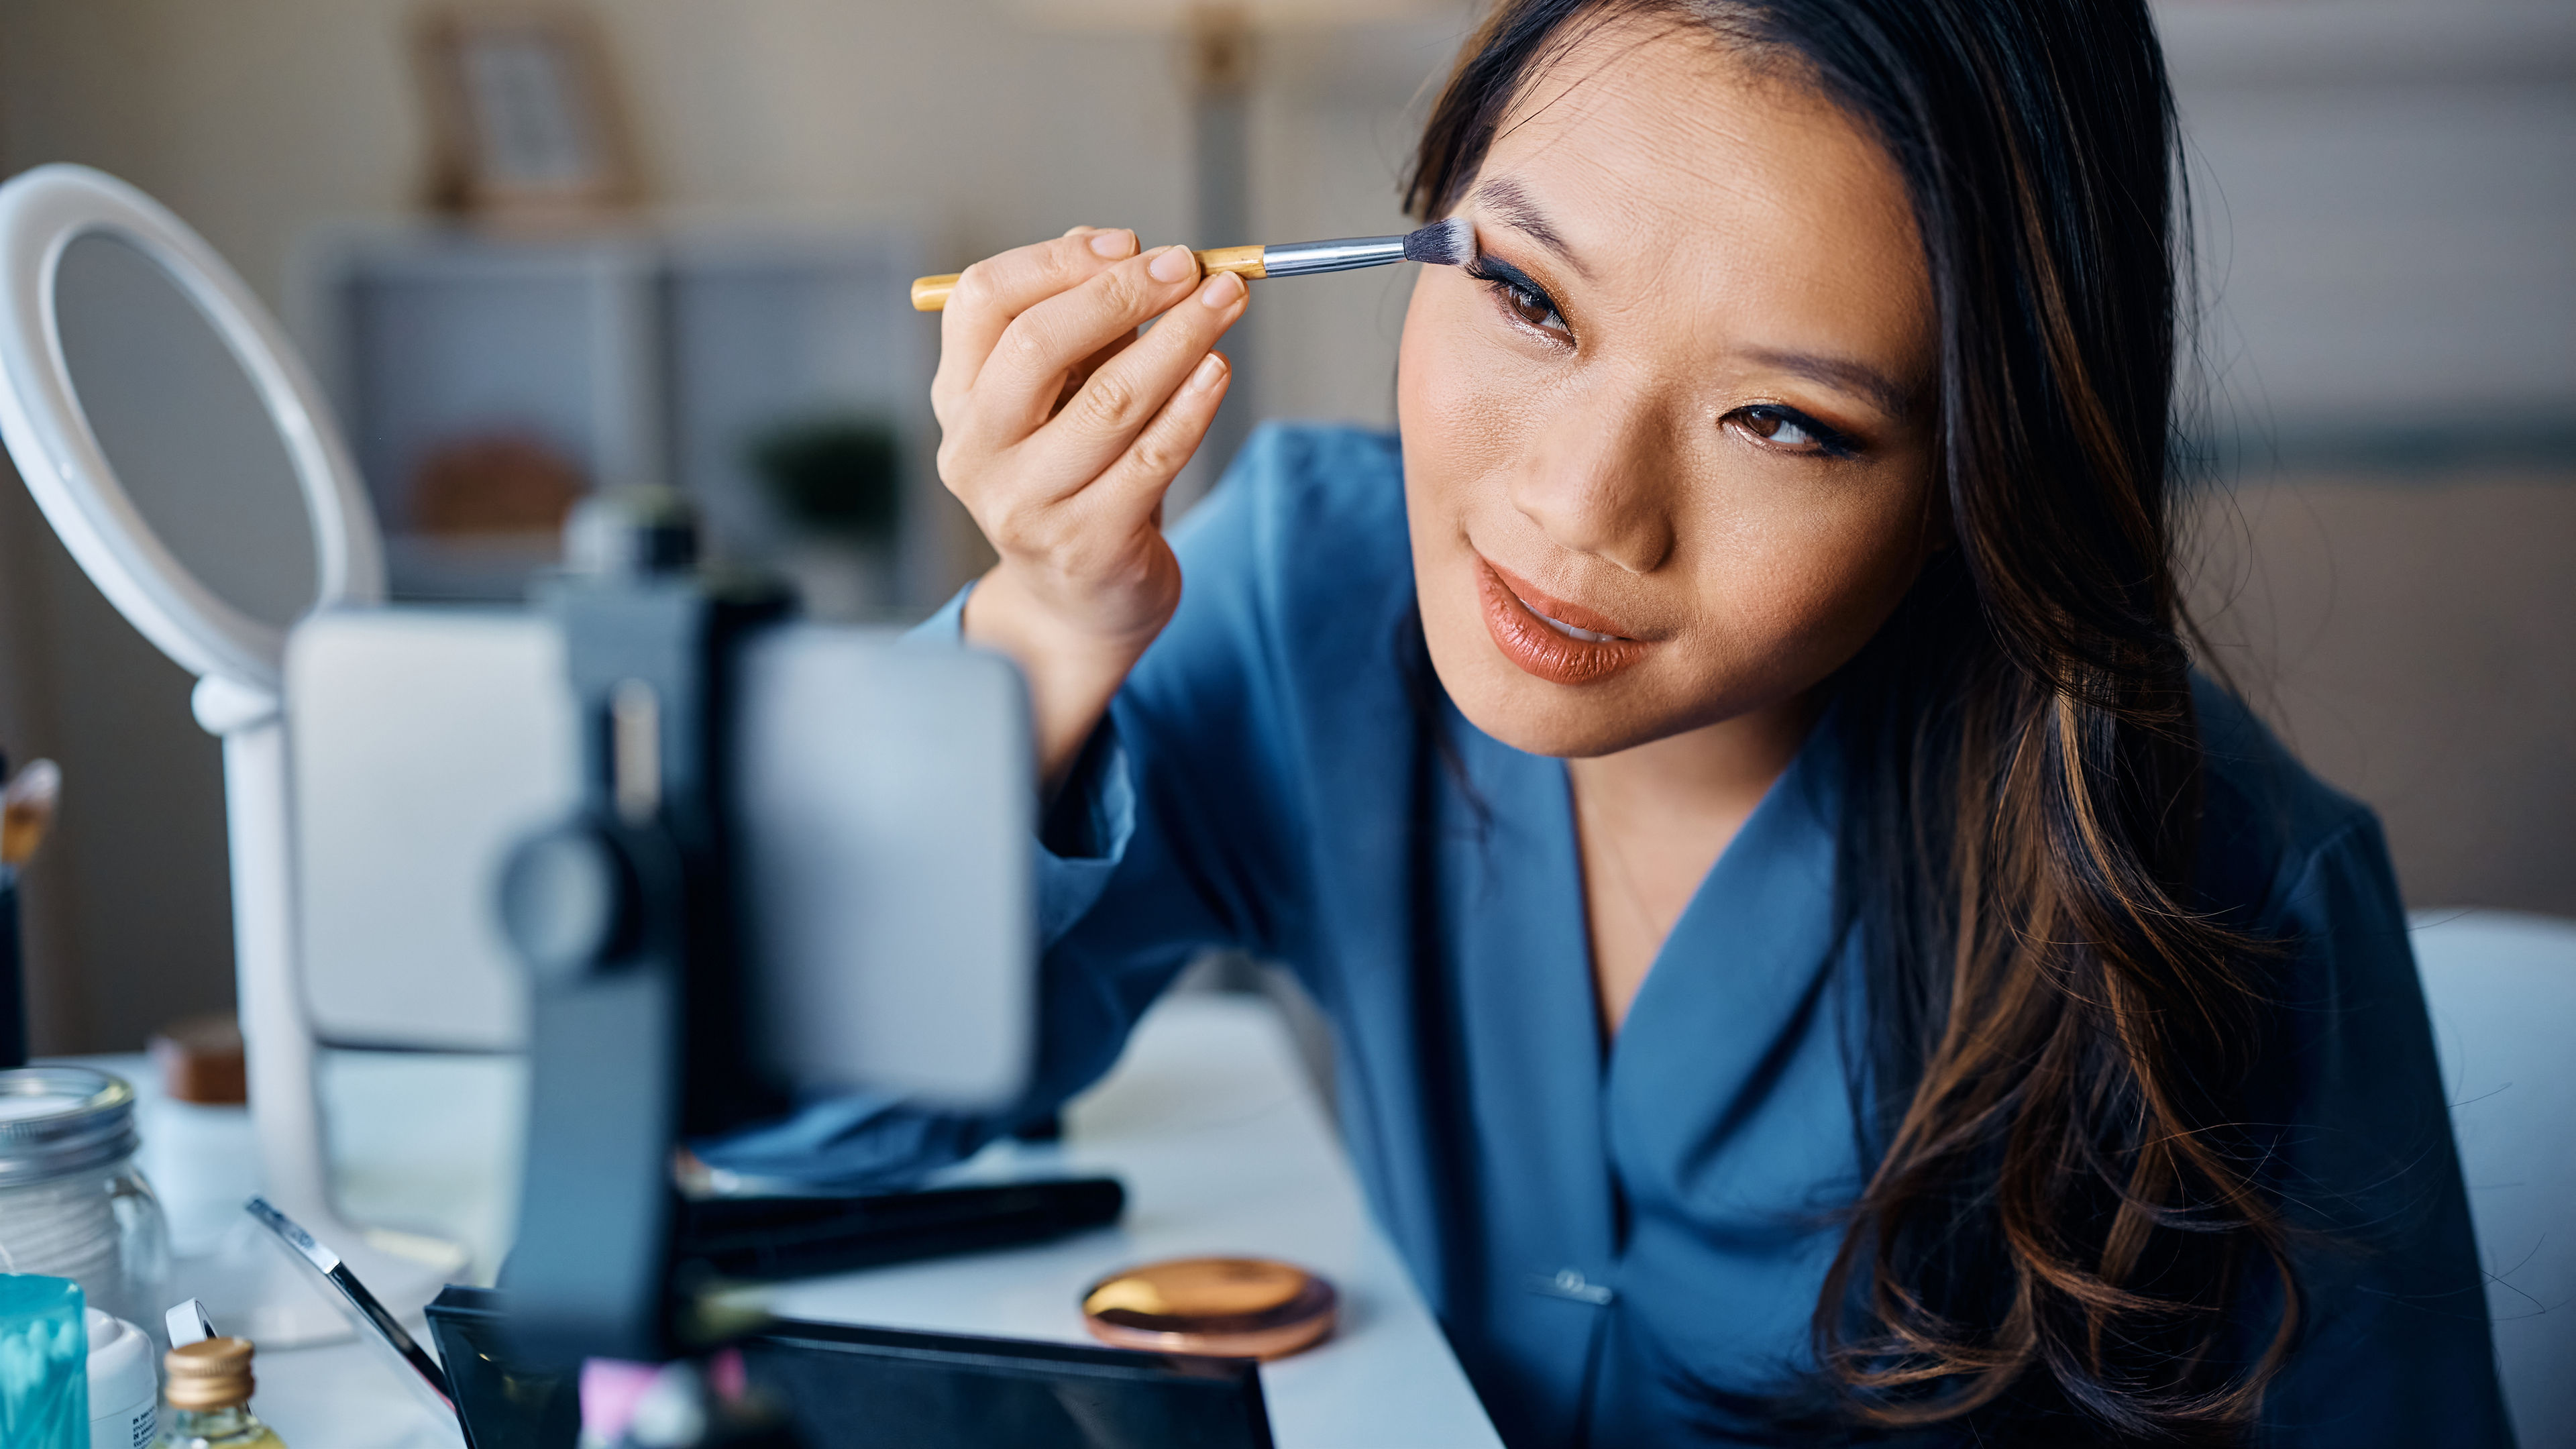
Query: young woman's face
<point x="1680" y="411"/>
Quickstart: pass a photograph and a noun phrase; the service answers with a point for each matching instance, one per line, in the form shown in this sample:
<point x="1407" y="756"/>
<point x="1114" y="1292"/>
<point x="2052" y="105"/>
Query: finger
<point x="994" y="291"/>
<point x="1131" y="388"/>
<point x="1083" y="370"/>
<point x="1026" y="369"/>
<point x="1130" y="493"/>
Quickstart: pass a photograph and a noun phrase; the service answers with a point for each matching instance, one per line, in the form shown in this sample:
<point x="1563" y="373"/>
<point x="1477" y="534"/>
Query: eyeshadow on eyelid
<point x="1494" y="269"/>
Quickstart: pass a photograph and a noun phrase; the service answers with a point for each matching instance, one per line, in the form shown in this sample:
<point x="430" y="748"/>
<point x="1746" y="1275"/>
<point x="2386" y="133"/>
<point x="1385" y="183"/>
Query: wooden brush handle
<point x="930" y="294"/>
<point x="1244" y="262"/>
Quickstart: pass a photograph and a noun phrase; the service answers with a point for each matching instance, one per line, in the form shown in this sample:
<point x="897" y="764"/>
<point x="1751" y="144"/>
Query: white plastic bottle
<point x="124" y="1396"/>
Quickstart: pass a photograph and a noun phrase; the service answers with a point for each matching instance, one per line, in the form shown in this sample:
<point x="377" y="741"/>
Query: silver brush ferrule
<point x="1299" y="259"/>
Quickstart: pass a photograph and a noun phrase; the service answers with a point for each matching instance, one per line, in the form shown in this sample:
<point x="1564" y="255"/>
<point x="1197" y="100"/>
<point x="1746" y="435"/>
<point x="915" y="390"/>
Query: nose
<point x="1599" y="482"/>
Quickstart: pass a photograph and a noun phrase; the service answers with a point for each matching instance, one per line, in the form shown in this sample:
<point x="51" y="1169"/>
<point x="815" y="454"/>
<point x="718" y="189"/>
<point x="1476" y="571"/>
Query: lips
<point x="1560" y="642"/>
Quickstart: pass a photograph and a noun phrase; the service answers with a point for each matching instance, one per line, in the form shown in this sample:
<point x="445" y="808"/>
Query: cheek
<point x="1466" y="413"/>
<point x="1790" y="594"/>
<point x="1460" y="426"/>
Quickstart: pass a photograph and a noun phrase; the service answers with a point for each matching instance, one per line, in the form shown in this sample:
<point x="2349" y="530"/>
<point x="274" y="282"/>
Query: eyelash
<point x="1825" y="442"/>
<point x="1516" y="290"/>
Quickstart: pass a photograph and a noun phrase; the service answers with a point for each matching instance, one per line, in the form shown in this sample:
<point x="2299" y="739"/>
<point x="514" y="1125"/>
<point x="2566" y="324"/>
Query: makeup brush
<point x="1450" y="243"/>
<point x="27" y="810"/>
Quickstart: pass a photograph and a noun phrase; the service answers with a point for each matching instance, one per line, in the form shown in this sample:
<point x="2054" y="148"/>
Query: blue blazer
<point x="1624" y="1245"/>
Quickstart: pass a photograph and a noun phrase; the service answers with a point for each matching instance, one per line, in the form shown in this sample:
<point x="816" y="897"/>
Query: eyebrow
<point x="1857" y="378"/>
<point x="1510" y="205"/>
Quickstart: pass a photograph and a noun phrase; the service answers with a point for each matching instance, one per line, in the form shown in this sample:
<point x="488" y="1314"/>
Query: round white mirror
<point x="167" y="429"/>
<point x="191" y="468"/>
<point x="184" y="429"/>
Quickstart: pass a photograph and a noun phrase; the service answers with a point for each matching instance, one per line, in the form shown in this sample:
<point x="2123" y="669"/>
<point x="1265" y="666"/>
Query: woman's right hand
<point x="1060" y="428"/>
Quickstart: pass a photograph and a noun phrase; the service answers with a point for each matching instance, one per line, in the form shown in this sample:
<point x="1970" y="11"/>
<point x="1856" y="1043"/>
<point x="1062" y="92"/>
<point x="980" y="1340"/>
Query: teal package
<point x="44" y="1364"/>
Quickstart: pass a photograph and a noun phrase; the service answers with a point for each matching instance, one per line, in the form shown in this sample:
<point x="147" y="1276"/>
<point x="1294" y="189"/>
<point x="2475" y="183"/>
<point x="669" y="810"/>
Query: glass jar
<point x="72" y="1203"/>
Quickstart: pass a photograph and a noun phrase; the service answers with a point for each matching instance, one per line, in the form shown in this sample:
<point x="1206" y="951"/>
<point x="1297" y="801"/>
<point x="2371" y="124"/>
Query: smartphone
<point x="885" y="794"/>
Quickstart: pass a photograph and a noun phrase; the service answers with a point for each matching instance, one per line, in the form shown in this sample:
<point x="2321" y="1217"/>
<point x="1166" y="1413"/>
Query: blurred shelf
<point x="434" y="568"/>
<point x="634" y="355"/>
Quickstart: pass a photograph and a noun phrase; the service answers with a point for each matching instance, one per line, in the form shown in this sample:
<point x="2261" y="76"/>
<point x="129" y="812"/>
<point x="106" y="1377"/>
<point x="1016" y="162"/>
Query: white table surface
<point x="1207" y="1119"/>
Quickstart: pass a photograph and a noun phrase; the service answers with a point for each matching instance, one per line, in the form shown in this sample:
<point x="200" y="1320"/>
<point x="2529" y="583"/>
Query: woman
<point x="1809" y="959"/>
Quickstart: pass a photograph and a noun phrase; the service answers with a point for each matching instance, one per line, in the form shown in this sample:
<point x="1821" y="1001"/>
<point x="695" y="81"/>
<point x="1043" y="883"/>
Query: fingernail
<point x="1221" y="289"/>
<point x="1173" y="264"/>
<point x="1115" y="243"/>
<point x="1205" y="375"/>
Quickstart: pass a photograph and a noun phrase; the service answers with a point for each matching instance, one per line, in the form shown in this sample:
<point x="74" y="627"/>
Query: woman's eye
<point x="1521" y="297"/>
<point x="1531" y="307"/>
<point x="1788" y="429"/>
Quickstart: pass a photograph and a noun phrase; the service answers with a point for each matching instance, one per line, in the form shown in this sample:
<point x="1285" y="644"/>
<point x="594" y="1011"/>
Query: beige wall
<point x="2414" y="640"/>
<point x="254" y="119"/>
<point x="129" y="921"/>
<point x="258" y="119"/>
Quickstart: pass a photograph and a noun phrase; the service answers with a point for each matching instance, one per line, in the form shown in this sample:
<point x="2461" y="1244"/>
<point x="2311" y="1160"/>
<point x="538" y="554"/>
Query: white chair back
<point x="2502" y="990"/>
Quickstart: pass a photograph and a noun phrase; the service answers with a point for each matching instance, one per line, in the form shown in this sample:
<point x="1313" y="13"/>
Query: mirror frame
<point x="42" y="212"/>
<point x="238" y="660"/>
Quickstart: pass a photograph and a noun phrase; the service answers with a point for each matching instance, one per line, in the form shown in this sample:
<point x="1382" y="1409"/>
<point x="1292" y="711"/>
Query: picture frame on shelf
<point x="525" y="120"/>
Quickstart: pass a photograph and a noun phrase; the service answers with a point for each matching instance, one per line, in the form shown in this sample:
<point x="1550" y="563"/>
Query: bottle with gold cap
<point x="209" y="1395"/>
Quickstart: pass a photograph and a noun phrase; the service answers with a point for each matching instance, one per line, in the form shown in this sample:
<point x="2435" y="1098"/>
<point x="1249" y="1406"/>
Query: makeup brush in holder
<point x="26" y="814"/>
<point x="1450" y="243"/>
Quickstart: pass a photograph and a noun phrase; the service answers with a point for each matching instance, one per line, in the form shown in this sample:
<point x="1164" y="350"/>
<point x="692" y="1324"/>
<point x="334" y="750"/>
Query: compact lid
<point x="1231" y="1307"/>
<point x="60" y="1120"/>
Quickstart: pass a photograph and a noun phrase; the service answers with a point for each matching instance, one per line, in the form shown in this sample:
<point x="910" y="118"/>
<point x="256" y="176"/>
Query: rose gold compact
<point x="1228" y="1307"/>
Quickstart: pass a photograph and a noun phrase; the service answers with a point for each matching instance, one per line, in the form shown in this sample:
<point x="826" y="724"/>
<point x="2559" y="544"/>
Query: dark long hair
<point x="2060" y="1220"/>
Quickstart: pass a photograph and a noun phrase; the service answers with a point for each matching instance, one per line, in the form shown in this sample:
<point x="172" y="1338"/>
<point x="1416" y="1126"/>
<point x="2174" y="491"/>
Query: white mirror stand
<point x="238" y="660"/>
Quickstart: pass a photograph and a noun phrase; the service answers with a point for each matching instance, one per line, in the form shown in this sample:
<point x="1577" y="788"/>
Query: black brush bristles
<point x="1447" y="243"/>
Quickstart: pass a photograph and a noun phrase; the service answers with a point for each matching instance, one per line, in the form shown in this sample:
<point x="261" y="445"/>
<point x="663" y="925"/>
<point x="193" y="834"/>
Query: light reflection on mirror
<point x="184" y="429"/>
